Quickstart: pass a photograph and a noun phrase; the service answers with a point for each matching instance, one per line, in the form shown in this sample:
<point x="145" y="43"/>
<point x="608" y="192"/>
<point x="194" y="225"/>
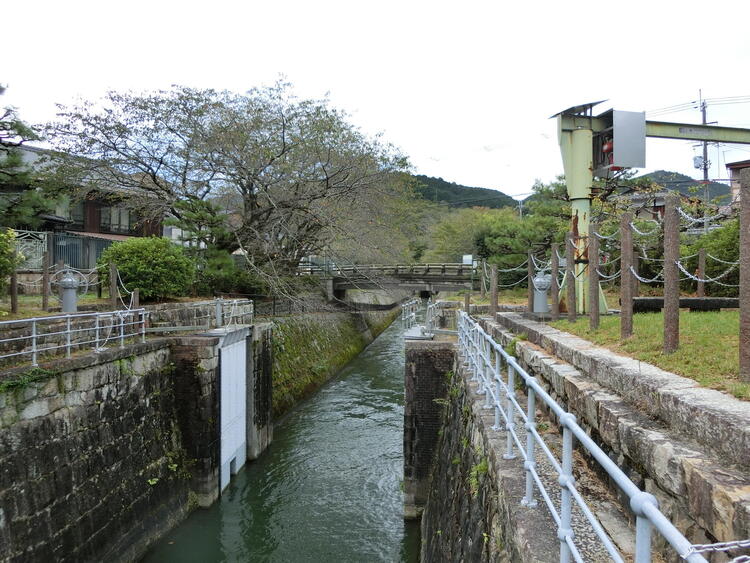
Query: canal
<point x="329" y="487"/>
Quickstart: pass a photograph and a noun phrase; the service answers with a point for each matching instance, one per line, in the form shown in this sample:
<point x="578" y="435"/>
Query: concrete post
<point x="626" y="288"/>
<point x="593" y="277"/>
<point x="530" y="283"/>
<point x="14" y="292"/>
<point x="744" y="343"/>
<point x="59" y="268"/>
<point x="493" y="291"/>
<point x="570" y="277"/>
<point x="467" y="302"/>
<point x="555" y="288"/>
<point x="671" y="274"/>
<point x="136" y="298"/>
<point x="701" y="288"/>
<point x="113" y="286"/>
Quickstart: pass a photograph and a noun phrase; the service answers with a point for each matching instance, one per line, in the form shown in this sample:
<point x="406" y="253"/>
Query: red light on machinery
<point x="608" y="147"/>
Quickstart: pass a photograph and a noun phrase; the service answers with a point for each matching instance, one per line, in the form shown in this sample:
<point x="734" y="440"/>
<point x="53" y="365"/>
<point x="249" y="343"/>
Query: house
<point x="734" y="169"/>
<point x="80" y="227"/>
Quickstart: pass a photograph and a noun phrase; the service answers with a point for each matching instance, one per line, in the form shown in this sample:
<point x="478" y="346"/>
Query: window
<point x="117" y="219"/>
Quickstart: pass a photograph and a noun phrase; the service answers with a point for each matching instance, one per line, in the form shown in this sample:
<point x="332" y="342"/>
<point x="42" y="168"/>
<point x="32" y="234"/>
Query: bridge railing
<point x="451" y="268"/>
<point x="409" y="313"/>
<point x="486" y="360"/>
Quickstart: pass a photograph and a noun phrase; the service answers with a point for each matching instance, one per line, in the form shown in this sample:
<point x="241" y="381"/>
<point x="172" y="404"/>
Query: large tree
<point x="276" y="169"/>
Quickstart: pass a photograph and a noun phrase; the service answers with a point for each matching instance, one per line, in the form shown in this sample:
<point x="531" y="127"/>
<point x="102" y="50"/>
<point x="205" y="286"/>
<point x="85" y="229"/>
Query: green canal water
<point x="329" y="487"/>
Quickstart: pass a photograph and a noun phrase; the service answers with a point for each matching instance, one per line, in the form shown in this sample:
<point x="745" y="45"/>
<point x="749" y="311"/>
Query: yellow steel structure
<point x="576" y="127"/>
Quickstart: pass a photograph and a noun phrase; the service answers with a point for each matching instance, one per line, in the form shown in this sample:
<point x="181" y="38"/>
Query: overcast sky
<point x="464" y="88"/>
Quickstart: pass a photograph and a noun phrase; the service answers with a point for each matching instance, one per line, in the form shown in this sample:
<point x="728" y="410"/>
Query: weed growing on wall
<point x="22" y="380"/>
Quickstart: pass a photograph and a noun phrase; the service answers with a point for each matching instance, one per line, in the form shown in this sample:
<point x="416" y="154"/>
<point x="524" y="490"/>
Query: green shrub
<point x="156" y="266"/>
<point x="219" y="273"/>
<point x="9" y="256"/>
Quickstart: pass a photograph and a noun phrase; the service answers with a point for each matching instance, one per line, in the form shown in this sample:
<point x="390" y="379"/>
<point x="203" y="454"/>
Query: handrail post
<point x="96" y="334"/>
<point x="566" y="479"/>
<point x="498" y="389"/>
<point x="530" y="462"/>
<point x="487" y="370"/>
<point x="509" y="425"/>
<point x="122" y="329"/>
<point x="143" y="326"/>
<point x="67" y="337"/>
<point x="33" y="344"/>
<point x="642" y="540"/>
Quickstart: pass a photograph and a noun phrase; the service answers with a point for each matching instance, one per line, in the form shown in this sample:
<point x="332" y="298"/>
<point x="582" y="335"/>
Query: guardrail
<point x="409" y="313"/>
<point x="42" y="336"/>
<point x="486" y="359"/>
<point x="452" y="268"/>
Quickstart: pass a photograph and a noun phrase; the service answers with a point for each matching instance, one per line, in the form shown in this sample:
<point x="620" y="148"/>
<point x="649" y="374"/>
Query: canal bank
<point x="329" y="486"/>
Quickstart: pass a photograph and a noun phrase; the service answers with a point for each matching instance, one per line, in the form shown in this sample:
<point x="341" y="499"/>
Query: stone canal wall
<point x="102" y="454"/>
<point x="309" y="349"/>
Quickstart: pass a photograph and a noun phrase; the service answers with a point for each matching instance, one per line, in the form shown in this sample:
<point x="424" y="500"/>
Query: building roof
<point x="738" y="165"/>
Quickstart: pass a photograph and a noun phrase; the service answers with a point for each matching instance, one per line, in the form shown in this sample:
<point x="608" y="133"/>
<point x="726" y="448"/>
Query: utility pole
<point x="705" y="161"/>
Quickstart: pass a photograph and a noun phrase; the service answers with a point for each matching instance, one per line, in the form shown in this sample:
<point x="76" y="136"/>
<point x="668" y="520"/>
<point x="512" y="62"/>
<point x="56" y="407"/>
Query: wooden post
<point x="113" y="286"/>
<point x="136" y="298"/>
<point x="744" y="343"/>
<point x="14" y="292"/>
<point x="59" y="267"/>
<point x="671" y="274"/>
<point x="570" y="277"/>
<point x="467" y="302"/>
<point x="593" y="276"/>
<point x="530" y="282"/>
<point x="701" y="288"/>
<point x="45" y="281"/>
<point x="636" y="282"/>
<point x="493" y="291"/>
<point x="626" y="288"/>
<point x="481" y="279"/>
<point x="555" y="287"/>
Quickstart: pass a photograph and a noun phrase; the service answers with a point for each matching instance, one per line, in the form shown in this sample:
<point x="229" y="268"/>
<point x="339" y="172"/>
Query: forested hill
<point x="687" y="185"/>
<point x="456" y="195"/>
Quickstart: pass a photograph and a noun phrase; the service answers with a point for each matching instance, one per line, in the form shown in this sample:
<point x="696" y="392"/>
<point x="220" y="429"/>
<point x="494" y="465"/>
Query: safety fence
<point x="32" y="339"/>
<point x="35" y="338"/>
<point x="496" y="372"/>
<point x="75" y="251"/>
<point x="409" y="313"/>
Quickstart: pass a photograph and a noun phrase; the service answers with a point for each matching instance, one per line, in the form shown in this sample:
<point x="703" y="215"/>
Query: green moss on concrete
<point x="310" y="349"/>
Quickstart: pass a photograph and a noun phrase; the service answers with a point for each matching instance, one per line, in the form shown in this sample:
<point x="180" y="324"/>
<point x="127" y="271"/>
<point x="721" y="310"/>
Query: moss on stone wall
<point x="310" y="349"/>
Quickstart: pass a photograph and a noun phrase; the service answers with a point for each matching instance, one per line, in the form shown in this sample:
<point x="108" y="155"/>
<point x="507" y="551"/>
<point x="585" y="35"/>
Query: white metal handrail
<point x="75" y="329"/>
<point x="485" y="358"/>
<point x="409" y="313"/>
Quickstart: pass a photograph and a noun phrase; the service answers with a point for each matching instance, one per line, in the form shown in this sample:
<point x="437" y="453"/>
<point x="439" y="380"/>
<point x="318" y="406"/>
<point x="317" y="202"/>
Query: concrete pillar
<point x="593" y="277"/>
<point x="570" y="277"/>
<point x="555" y="288"/>
<point x="483" y="291"/>
<point x="671" y="274"/>
<point x="493" y="291"/>
<point x="626" y="288"/>
<point x="427" y="362"/>
<point x="530" y="283"/>
<point x="467" y="302"/>
<point x="744" y="343"/>
<point x="701" y="287"/>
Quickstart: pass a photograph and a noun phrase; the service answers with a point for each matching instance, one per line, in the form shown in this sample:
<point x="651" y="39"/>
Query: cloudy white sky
<point x="464" y="88"/>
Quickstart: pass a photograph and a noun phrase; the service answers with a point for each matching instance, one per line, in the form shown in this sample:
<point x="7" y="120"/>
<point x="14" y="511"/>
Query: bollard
<point x="69" y="290"/>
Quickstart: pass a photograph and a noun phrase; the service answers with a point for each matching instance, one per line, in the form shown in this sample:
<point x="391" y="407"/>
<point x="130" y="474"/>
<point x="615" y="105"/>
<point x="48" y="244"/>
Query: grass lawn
<point x="708" y="350"/>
